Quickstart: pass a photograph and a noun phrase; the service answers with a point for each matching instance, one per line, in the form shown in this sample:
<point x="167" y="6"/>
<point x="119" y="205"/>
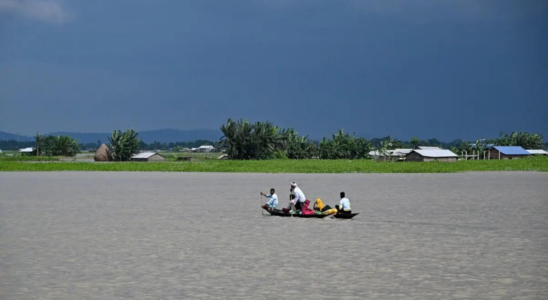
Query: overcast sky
<point x="427" y="68"/>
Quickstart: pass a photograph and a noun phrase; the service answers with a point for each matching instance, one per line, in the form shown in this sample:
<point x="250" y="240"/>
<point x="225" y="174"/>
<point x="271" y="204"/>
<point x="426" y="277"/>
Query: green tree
<point x="243" y="140"/>
<point x="235" y="139"/>
<point x="61" y="146"/>
<point x="415" y="141"/>
<point x="344" y="146"/>
<point x="523" y="139"/>
<point x="298" y="147"/>
<point x="123" y="145"/>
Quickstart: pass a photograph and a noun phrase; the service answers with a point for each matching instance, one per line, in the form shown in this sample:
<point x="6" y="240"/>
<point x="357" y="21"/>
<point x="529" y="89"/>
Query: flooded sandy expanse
<point x="85" y="235"/>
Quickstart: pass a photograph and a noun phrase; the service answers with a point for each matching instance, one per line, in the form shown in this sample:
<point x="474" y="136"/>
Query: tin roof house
<point x="148" y="156"/>
<point x="205" y="148"/>
<point x="537" y="152"/>
<point x="28" y="151"/>
<point x="507" y="152"/>
<point x="396" y="154"/>
<point x="431" y="154"/>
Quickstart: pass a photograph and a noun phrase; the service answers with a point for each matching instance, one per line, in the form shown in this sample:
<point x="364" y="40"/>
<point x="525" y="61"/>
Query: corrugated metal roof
<point x="402" y="152"/>
<point x="144" y="155"/>
<point x="488" y="146"/>
<point x="436" y="153"/>
<point x="28" y="149"/>
<point x="428" y="148"/>
<point x="206" y="147"/>
<point x="379" y="153"/>
<point x="511" y="150"/>
<point x="395" y="152"/>
<point x="537" y="151"/>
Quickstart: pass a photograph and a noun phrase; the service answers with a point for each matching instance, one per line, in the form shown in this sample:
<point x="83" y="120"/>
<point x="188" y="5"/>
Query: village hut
<point x="401" y="152"/>
<point x="205" y="148"/>
<point x="537" y="152"/>
<point x="30" y="151"/>
<point x="506" y="152"/>
<point x="148" y="156"/>
<point x="376" y="154"/>
<point x="392" y="155"/>
<point x="431" y="155"/>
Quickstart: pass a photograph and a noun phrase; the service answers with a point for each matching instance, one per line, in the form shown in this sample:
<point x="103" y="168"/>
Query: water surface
<point x="101" y="235"/>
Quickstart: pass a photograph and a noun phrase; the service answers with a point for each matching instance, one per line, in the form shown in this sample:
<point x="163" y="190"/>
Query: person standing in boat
<point x="272" y="200"/>
<point x="344" y="205"/>
<point x="300" y="198"/>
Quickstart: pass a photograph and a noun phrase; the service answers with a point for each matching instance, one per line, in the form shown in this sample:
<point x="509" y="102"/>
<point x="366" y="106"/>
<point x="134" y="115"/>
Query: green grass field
<point x="172" y="156"/>
<point x="287" y="166"/>
<point x="27" y="158"/>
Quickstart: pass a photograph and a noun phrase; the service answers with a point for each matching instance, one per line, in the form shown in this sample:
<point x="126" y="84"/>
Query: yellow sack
<point x="330" y="211"/>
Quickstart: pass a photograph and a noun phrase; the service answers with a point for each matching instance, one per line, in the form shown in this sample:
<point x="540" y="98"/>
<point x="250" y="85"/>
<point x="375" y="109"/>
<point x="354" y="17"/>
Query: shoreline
<point x="533" y="164"/>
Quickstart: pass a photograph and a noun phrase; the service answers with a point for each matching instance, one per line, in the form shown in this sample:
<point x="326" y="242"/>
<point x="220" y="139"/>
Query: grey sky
<point x="445" y="69"/>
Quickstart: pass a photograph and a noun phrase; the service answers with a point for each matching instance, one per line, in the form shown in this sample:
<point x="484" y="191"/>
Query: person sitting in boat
<point x="324" y="208"/>
<point x="319" y="206"/>
<point x="306" y="209"/>
<point x="272" y="200"/>
<point x="344" y="205"/>
<point x="299" y="196"/>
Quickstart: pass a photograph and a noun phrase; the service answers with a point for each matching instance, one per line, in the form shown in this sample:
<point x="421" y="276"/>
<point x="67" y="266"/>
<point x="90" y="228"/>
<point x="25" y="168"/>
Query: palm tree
<point x="523" y="139"/>
<point x="123" y="145"/>
<point x="61" y="146"/>
<point x="39" y="139"/>
<point x="344" y="146"/>
<point x="243" y="140"/>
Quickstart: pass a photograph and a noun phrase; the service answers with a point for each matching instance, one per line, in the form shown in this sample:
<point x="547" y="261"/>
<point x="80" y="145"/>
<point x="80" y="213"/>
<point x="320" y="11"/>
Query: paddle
<point x="262" y="209"/>
<point x="291" y="206"/>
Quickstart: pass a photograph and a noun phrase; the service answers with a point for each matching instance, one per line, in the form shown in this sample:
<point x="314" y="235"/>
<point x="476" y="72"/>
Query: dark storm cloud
<point x="449" y="69"/>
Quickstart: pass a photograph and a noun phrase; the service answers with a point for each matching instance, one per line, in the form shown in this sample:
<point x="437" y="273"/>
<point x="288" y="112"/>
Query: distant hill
<point x="84" y="138"/>
<point x="162" y="136"/>
<point x="6" y="136"/>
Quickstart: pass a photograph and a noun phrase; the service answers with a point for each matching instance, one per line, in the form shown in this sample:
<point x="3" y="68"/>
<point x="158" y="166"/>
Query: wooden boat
<point x="279" y="213"/>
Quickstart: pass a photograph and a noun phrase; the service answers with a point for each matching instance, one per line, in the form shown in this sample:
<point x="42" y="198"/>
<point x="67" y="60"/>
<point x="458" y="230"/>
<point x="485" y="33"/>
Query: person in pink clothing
<point x="306" y="208"/>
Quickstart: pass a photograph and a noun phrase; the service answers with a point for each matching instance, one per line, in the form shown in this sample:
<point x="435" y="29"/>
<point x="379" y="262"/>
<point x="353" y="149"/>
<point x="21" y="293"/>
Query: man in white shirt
<point x="299" y="196"/>
<point x="272" y="200"/>
<point x="344" y="205"/>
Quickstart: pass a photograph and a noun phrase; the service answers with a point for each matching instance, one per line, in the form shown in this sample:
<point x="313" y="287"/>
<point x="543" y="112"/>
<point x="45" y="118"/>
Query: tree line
<point x="15" y="145"/>
<point x="523" y="139"/>
<point x="263" y="140"/>
<point x="51" y="145"/>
